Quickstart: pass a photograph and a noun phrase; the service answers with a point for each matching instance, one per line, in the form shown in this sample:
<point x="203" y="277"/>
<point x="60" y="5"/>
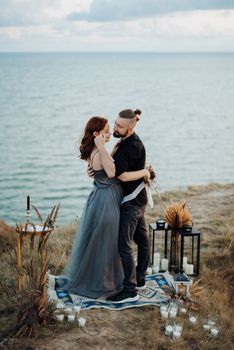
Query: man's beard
<point x="117" y="135"/>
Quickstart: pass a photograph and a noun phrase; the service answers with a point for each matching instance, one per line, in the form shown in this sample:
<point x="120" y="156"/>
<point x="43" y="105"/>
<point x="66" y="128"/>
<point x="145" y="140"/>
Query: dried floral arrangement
<point x="33" y="309"/>
<point x="177" y="215"/>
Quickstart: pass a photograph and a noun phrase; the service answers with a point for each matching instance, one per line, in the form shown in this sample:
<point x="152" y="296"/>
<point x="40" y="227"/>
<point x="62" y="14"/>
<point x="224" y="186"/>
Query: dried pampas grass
<point x="177" y="215"/>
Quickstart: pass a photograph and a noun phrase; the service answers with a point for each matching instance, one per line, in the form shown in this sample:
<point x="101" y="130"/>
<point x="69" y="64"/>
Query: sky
<point x="115" y="25"/>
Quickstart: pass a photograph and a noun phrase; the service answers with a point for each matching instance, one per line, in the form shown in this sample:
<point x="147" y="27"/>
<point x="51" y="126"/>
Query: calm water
<point x="45" y="99"/>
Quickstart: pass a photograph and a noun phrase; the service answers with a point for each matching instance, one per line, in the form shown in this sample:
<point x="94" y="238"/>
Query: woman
<point x="95" y="269"/>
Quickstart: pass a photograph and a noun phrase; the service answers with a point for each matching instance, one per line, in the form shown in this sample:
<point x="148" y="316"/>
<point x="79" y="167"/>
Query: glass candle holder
<point x="193" y="317"/>
<point x="71" y="317"/>
<point x="77" y="305"/>
<point x="173" y="310"/>
<point x="206" y="326"/>
<point x="164" y="309"/>
<point x="169" y="328"/>
<point x="183" y="309"/>
<point x="82" y="321"/>
<point x="60" y="317"/>
<point x="177" y="330"/>
<point x="214" y="330"/>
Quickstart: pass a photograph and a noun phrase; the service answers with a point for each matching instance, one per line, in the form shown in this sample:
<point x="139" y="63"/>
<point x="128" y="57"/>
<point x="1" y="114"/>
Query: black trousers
<point x="133" y="228"/>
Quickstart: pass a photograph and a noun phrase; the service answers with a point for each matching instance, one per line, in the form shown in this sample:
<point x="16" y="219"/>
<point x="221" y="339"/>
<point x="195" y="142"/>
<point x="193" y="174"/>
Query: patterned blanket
<point x="158" y="288"/>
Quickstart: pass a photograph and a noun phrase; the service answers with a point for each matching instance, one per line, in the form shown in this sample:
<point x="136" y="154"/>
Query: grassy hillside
<point x="212" y="209"/>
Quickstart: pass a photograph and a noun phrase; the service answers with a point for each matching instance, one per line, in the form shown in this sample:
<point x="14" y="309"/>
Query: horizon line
<point x="139" y="52"/>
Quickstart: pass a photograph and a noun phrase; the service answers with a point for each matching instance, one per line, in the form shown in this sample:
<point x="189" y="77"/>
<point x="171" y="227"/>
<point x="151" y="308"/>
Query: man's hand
<point x="89" y="170"/>
<point x="99" y="140"/>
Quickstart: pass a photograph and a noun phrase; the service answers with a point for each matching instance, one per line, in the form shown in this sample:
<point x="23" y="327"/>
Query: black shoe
<point x="141" y="285"/>
<point x="124" y="297"/>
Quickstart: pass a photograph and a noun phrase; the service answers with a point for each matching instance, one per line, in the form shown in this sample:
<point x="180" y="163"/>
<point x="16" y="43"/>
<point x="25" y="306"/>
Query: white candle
<point x="206" y="327"/>
<point x="68" y="310"/>
<point x="214" y="331"/>
<point x="192" y="319"/>
<point x="173" y="313"/>
<point x="164" y="313"/>
<point x="149" y="271"/>
<point x="178" y="328"/>
<point x="77" y="308"/>
<point x="185" y="260"/>
<point x="155" y="269"/>
<point x="157" y="262"/>
<point x="191" y="269"/>
<point x="157" y="256"/>
<point x="71" y="318"/>
<point x="60" y="305"/>
<point x="176" y="334"/>
<point x="164" y="264"/>
<point x="183" y="310"/>
<point x="186" y="268"/>
<point x="60" y="317"/>
<point x="82" y="321"/>
<point x="169" y="330"/>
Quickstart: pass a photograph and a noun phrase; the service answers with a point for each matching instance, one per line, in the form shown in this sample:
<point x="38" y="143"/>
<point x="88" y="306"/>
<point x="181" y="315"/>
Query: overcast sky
<point x="115" y="25"/>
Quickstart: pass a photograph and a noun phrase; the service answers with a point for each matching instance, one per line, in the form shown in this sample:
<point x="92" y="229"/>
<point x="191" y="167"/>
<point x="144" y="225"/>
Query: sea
<point x="187" y="124"/>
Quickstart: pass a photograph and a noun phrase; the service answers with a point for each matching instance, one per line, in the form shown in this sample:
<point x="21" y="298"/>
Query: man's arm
<point x="134" y="175"/>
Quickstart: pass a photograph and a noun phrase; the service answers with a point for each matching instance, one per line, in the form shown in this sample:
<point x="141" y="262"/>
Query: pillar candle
<point x="164" y="264"/>
<point x="28" y="203"/>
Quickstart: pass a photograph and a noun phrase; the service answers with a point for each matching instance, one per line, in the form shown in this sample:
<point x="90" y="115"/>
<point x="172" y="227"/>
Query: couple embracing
<point x="101" y="262"/>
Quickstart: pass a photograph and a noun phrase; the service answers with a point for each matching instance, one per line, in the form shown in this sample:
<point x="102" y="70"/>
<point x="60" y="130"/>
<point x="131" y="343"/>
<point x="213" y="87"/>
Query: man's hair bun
<point x="137" y="111"/>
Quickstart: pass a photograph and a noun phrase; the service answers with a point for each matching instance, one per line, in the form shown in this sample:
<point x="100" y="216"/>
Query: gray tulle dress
<point x="94" y="269"/>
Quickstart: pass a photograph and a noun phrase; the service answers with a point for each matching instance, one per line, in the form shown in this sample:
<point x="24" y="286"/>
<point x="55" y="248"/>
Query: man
<point x="129" y="155"/>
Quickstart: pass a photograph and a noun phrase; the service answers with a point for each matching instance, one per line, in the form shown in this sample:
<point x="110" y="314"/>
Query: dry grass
<point x="212" y="211"/>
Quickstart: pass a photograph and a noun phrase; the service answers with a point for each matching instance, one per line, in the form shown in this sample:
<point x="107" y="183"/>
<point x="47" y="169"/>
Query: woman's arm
<point x="134" y="175"/>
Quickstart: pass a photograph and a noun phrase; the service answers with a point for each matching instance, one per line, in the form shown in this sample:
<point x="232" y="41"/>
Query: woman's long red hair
<point x="87" y="141"/>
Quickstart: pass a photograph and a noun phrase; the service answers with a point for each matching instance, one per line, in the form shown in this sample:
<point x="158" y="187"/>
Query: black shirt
<point x="130" y="156"/>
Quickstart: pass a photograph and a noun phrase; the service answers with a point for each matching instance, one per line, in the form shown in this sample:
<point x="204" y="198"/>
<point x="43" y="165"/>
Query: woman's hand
<point x="100" y="140"/>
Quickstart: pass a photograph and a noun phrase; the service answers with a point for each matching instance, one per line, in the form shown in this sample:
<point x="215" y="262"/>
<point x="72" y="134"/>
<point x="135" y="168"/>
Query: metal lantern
<point x="182" y="284"/>
<point x="190" y="240"/>
<point x="180" y="247"/>
<point x="159" y="234"/>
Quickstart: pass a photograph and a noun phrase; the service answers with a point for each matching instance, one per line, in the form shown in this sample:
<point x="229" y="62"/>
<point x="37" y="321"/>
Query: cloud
<point x="115" y="10"/>
<point x="22" y="13"/>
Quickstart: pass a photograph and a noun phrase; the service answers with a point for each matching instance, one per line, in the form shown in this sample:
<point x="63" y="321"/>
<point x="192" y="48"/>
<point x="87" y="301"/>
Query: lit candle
<point x="173" y="313"/>
<point x="214" y="331"/>
<point x="169" y="330"/>
<point x="192" y="319"/>
<point x="82" y="321"/>
<point x="71" y="318"/>
<point x="149" y="271"/>
<point x="191" y="268"/>
<point x="183" y="310"/>
<point x="60" y="317"/>
<point x="68" y="310"/>
<point x="206" y="326"/>
<point x="176" y="334"/>
<point x="155" y="269"/>
<point x="164" y="264"/>
<point x="77" y="308"/>
<point x="28" y="203"/>
<point x="164" y="313"/>
<point x="157" y="256"/>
